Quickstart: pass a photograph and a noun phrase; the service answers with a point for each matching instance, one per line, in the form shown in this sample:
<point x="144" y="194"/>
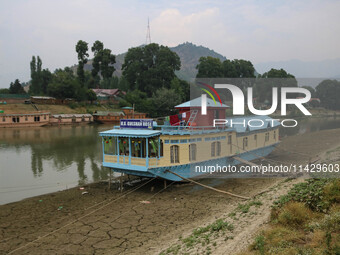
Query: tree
<point x="91" y="95"/>
<point x="311" y="90"/>
<point x="209" y="67"/>
<point x="39" y="78"/>
<point x="182" y="88"/>
<point x="274" y="78"/>
<point x="328" y="92"/>
<point x="63" y="84"/>
<point x="150" y="67"/>
<point x="81" y="49"/>
<point x="103" y="61"/>
<point x="97" y="49"/>
<point x="46" y="78"/>
<point x="164" y="101"/>
<point x="16" y="88"/>
<point x="4" y="91"/>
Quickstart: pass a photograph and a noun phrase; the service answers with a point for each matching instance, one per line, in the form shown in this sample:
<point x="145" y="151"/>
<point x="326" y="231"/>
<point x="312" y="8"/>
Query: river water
<point x="35" y="161"/>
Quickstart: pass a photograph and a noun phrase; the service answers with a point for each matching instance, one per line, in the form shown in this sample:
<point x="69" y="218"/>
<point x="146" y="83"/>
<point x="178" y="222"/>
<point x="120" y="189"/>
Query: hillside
<point x="189" y="54"/>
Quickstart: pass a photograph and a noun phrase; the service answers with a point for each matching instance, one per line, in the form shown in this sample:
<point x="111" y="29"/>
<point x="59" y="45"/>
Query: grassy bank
<point x="305" y="221"/>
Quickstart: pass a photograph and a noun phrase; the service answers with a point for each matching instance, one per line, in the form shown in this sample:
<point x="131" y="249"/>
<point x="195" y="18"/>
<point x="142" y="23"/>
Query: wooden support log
<point x="208" y="187"/>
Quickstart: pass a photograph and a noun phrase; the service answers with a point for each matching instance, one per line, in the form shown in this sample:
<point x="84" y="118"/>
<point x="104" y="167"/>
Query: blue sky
<point x="259" y="31"/>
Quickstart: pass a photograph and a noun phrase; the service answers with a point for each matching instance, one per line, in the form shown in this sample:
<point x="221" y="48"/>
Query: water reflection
<point x="39" y="160"/>
<point x="63" y="146"/>
<point x="60" y="156"/>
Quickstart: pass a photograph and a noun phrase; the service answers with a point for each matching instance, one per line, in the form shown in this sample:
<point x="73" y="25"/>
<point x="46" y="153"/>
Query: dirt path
<point x="127" y="226"/>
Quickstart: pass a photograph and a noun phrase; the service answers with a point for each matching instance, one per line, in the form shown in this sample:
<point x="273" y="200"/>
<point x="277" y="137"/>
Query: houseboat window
<point x="245" y="143"/>
<point x="161" y="152"/>
<point x="218" y="148"/>
<point x="26" y="118"/>
<point x="192" y="152"/>
<point x="153" y="147"/>
<point x="44" y="117"/>
<point x="82" y="118"/>
<point x="267" y="137"/>
<point x="123" y="146"/>
<point x="216" y="114"/>
<point x="174" y="154"/>
<point x="15" y="119"/>
<point x="74" y="119"/>
<point x="136" y="147"/>
<point x="229" y="139"/>
<point x="3" y="119"/>
<point x="213" y="149"/>
<point x="110" y="145"/>
<point x="36" y="118"/>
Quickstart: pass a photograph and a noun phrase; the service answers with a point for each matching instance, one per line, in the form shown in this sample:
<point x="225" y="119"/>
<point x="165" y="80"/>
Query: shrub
<point x="332" y="191"/>
<point x="310" y="192"/>
<point x="295" y="214"/>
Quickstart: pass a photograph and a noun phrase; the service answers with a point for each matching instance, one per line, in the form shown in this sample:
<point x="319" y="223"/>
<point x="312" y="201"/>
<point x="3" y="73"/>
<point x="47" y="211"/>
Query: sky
<point x="259" y="31"/>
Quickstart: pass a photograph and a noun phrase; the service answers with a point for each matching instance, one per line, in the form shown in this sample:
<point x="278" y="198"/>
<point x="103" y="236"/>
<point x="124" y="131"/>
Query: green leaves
<point x="150" y="67"/>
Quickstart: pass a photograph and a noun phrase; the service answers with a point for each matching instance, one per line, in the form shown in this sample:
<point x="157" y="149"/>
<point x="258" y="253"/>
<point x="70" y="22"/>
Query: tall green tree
<point x="328" y="92"/>
<point x="81" y="49"/>
<point x="103" y="61"/>
<point x="16" y="88"/>
<point x="150" y="67"/>
<point x="209" y="67"/>
<point x="97" y="50"/>
<point x="274" y="78"/>
<point x="36" y="79"/>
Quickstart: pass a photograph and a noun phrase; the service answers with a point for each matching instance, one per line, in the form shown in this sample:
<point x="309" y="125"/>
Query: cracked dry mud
<point x="127" y="226"/>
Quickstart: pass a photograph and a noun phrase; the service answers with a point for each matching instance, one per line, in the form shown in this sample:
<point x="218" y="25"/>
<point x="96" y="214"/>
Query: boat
<point x="188" y="144"/>
<point x="115" y="117"/>
<point x="69" y="119"/>
<point x="34" y="119"/>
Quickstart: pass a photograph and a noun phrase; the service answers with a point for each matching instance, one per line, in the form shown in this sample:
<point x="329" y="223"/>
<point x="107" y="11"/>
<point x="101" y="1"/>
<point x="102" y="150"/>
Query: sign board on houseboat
<point x="136" y="123"/>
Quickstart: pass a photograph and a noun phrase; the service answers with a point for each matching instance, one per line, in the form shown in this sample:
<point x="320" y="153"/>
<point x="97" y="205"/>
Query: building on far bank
<point x="106" y="96"/>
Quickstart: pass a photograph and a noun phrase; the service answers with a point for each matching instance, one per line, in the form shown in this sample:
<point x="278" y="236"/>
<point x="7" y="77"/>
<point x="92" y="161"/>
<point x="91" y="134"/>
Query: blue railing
<point x="182" y="130"/>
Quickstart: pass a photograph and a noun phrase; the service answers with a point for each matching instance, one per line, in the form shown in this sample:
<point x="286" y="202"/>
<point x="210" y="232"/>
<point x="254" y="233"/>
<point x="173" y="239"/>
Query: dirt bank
<point x="110" y="224"/>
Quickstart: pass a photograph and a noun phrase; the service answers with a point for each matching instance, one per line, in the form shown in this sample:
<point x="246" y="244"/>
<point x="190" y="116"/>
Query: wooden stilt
<point x="121" y="182"/>
<point x="110" y="178"/>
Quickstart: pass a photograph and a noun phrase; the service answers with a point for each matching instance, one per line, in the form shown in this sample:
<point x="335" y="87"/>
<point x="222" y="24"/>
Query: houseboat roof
<point x="103" y="113"/>
<point x="255" y="124"/>
<point x="130" y="133"/>
<point x="197" y="103"/>
<point x="71" y="115"/>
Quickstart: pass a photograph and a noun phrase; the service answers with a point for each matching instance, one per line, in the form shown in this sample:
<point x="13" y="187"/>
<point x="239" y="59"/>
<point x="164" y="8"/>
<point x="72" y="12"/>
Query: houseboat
<point x="34" y="119"/>
<point x="67" y="119"/>
<point x="187" y="143"/>
<point x="115" y="117"/>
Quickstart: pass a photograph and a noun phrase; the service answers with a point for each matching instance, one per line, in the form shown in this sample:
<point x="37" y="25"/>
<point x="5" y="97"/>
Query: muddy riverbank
<point x="102" y="221"/>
